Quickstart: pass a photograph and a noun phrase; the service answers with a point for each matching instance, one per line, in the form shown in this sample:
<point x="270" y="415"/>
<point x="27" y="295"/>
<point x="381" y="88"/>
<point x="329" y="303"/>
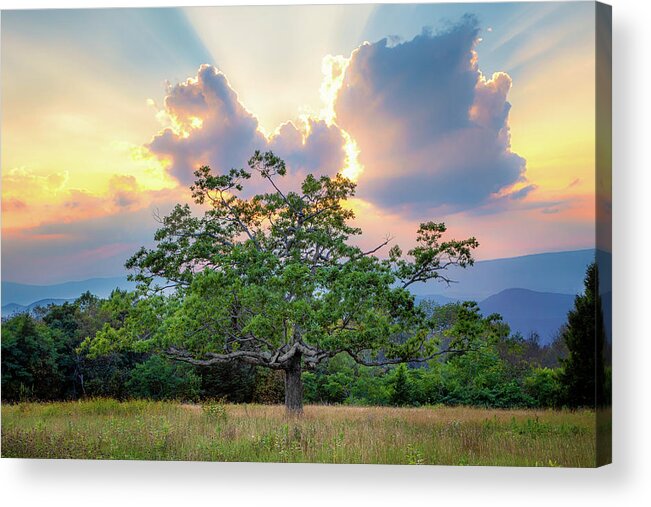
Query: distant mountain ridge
<point x="555" y="272"/>
<point x="532" y="292"/>
<point x="525" y="311"/>
<point x="13" y="308"/>
<point x="23" y="294"/>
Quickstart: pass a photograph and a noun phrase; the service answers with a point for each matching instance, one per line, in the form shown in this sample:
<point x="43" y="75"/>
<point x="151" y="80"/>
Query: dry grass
<point x="106" y="429"/>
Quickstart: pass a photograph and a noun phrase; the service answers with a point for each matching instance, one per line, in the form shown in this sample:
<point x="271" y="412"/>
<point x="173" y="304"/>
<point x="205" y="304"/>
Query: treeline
<point x="40" y="361"/>
<point x="512" y="372"/>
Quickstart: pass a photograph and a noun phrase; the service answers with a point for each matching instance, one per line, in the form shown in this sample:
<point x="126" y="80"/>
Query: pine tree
<point x="583" y="377"/>
<point x="401" y="394"/>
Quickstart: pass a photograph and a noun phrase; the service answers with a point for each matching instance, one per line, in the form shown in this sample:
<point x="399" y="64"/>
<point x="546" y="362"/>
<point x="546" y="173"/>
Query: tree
<point x="29" y="360"/>
<point x="543" y="386"/>
<point x="69" y="324"/>
<point x="62" y="321"/>
<point x="583" y="376"/>
<point x="401" y="393"/>
<point x="273" y="280"/>
<point x="159" y="379"/>
<point x="485" y="376"/>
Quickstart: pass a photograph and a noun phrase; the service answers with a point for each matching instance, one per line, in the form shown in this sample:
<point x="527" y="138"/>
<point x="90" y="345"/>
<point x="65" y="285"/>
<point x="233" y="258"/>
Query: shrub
<point x="544" y="386"/>
<point x="160" y="379"/>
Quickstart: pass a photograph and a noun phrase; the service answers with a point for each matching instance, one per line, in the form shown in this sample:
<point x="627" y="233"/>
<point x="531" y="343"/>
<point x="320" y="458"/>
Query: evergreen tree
<point x="583" y="377"/>
<point x="401" y="394"/>
<point x="29" y="360"/>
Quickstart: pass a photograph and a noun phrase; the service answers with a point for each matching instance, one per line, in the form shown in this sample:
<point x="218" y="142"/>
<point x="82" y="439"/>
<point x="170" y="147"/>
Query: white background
<point x="626" y="482"/>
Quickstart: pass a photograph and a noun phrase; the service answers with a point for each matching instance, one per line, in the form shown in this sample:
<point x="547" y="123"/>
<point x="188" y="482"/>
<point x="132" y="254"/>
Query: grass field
<point x="107" y="429"/>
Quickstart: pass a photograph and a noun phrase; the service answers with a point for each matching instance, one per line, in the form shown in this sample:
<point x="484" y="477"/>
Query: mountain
<point x="526" y="311"/>
<point x="557" y="272"/>
<point x="546" y="286"/>
<point x="12" y="308"/>
<point x="23" y="294"/>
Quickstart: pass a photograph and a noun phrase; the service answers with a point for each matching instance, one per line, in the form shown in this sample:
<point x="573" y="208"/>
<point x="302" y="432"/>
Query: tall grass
<point x="147" y="430"/>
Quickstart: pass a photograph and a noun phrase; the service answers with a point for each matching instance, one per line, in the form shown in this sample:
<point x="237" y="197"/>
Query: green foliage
<point x="499" y="371"/>
<point x="543" y="385"/>
<point x="160" y="379"/>
<point x="41" y="361"/>
<point x="55" y="334"/>
<point x="401" y="393"/>
<point x="331" y="382"/>
<point x="584" y="378"/>
<point x="231" y="382"/>
<point x="370" y="387"/>
<point x="72" y="323"/>
<point x="480" y="376"/>
<point x="30" y="359"/>
<point x="496" y="373"/>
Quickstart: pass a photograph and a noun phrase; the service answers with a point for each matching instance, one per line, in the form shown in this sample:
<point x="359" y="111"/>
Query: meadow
<point x="215" y="431"/>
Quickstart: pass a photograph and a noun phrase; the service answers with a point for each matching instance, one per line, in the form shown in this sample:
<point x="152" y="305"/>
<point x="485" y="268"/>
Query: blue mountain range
<point x="556" y="272"/>
<point x="533" y="293"/>
<point x="23" y="294"/>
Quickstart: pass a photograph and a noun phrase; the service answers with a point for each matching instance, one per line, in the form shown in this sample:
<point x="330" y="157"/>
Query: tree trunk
<point x="294" y="386"/>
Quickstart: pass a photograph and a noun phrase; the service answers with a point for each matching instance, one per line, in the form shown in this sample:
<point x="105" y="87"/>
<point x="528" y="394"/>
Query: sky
<point x="478" y="115"/>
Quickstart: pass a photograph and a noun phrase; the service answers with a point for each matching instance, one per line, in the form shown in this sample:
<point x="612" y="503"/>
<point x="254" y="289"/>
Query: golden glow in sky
<point x="334" y="69"/>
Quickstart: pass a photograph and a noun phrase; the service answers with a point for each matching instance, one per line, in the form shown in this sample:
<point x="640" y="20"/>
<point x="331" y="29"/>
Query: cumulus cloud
<point x="207" y="125"/>
<point x="320" y="150"/>
<point x="431" y="129"/>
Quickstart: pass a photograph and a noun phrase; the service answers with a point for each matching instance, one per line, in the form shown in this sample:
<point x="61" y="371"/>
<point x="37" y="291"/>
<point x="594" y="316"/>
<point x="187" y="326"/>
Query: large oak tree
<point x="275" y="280"/>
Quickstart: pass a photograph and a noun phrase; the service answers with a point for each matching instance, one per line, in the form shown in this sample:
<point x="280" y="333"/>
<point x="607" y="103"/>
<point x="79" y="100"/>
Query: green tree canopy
<point x="29" y="360"/>
<point x="275" y="280"/>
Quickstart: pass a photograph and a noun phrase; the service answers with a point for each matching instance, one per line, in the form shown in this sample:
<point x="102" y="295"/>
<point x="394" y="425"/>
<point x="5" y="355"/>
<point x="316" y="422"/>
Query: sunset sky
<point x="478" y="115"/>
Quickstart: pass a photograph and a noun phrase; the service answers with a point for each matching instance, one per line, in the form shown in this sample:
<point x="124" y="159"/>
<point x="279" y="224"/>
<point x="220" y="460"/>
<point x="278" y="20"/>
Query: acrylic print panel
<point x="388" y="243"/>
